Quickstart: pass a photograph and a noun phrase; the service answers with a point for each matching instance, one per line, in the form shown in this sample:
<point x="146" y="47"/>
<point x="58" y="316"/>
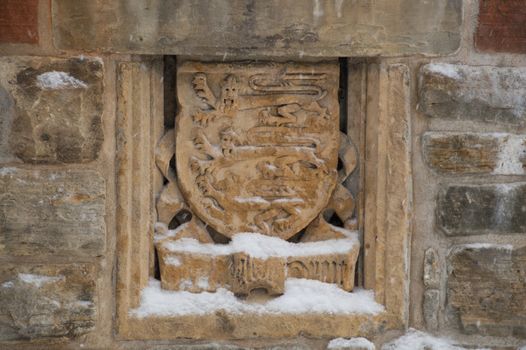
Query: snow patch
<point x="340" y="343"/>
<point x="414" y="339"/>
<point x="8" y="284"/>
<point x="160" y="228"/>
<point x="162" y="231"/>
<point x="7" y="171"/>
<point x="185" y="284"/>
<point x="59" y="81"/>
<point x="444" y="69"/>
<point x="256" y="199"/>
<point x="301" y="296"/>
<point x="263" y="247"/>
<point x="288" y="200"/>
<point x="90" y="58"/>
<point x="38" y="280"/>
<point x="202" y="283"/>
<point x="83" y="303"/>
<point x="487" y="246"/>
<point x="172" y="260"/>
<point x="512" y="151"/>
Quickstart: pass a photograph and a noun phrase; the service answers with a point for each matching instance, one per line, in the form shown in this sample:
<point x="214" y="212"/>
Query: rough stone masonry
<point x="432" y="93"/>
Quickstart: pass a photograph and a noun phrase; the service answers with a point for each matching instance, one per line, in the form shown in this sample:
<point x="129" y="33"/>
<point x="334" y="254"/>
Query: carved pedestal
<point x="256" y="151"/>
<point x="189" y="265"/>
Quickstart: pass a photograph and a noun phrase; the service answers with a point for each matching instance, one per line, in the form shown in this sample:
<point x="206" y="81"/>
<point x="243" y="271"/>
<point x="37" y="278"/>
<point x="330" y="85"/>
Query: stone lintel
<point x="293" y="28"/>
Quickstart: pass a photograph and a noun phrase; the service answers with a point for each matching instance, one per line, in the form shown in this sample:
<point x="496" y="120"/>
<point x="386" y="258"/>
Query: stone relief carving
<point x="256" y="150"/>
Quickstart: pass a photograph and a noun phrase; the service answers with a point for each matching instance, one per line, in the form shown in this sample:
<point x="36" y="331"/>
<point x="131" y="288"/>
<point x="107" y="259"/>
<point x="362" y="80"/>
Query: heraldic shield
<point x="258" y="149"/>
<point x="257" y="146"/>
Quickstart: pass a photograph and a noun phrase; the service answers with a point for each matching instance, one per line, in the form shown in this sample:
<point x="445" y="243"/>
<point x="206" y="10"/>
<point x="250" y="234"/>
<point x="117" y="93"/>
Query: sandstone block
<point x="293" y="345"/>
<point x="471" y="210"/>
<point x="431" y="269"/>
<point x="248" y="274"/>
<point x="206" y="346"/>
<point x="475" y="153"/>
<point x="431" y="308"/>
<point x="291" y="27"/>
<point x="501" y="26"/>
<point x="46" y="301"/>
<point x="193" y="272"/>
<point x="51" y="212"/>
<point x="334" y="268"/>
<point x="188" y="265"/>
<point x="51" y="109"/>
<point x="483" y="93"/>
<point x="486" y="289"/>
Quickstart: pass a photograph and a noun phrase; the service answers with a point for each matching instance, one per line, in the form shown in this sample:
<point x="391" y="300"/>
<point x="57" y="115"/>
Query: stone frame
<point x="379" y="98"/>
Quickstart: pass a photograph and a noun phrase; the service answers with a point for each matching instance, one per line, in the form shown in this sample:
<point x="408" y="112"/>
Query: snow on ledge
<point x="444" y="69"/>
<point x="343" y="343"/>
<point x="38" y="280"/>
<point x="59" y="81"/>
<point x="264" y="247"/>
<point x="301" y="296"/>
<point x="415" y="339"/>
<point x="485" y="246"/>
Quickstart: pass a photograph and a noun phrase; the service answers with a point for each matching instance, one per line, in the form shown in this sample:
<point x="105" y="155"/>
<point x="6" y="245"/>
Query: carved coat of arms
<point x="257" y="146"/>
<point x="257" y="149"/>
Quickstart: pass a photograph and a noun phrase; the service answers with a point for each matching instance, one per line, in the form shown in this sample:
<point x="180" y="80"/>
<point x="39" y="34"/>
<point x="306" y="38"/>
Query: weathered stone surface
<point x="278" y="28"/>
<point x="193" y="272"/>
<point x="207" y="346"/>
<point x="501" y="26"/>
<point x="251" y="326"/>
<point x="486" y="289"/>
<point x="51" y="212"/>
<point x="257" y="144"/>
<point x="19" y="21"/>
<point x="198" y="267"/>
<point x="388" y="186"/>
<point x="394" y="192"/>
<point x="431" y="303"/>
<point x="431" y="308"/>
<point x="51" y="109"/>
<point x="248" y="274"/>
<point x="45" y="301"/>
<point x="139" y="126"/>
<point x="483" y="93"/>
<point x="431" y="269"/>
<point x="471" y="153"/>
<point x="224" y="346"/>
<point x="334" y="268"/>
<point x="470" y="210"/>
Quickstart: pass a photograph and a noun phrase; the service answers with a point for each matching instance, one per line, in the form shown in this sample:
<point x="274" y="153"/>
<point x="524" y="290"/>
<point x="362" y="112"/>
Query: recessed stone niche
<point x="255" y="211"/>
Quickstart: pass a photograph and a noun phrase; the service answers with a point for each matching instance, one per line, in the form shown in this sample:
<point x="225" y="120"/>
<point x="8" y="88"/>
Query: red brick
<point x="19" y="21"/>
<point x="502" y="26"/>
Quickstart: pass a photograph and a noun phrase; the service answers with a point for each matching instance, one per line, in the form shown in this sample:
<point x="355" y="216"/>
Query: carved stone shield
<point x="257" y="144"/>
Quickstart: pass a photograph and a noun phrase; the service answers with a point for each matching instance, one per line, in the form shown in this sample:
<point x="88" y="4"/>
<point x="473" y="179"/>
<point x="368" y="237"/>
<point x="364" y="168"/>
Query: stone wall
<point x="470" y="152"/>
<point x="464" y="86"/>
